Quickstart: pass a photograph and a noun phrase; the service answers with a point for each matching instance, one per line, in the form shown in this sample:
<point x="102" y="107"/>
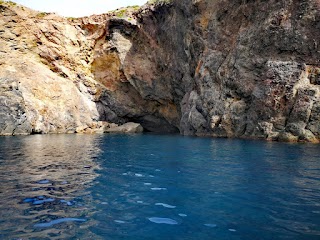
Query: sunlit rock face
<point x="40" y="58"/>
<point x="209" y="68"/>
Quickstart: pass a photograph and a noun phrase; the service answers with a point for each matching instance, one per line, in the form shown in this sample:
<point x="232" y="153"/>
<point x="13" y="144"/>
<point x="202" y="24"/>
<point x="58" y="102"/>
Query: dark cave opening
<point x="155" y="124"/>
<point x="150" y="122"/>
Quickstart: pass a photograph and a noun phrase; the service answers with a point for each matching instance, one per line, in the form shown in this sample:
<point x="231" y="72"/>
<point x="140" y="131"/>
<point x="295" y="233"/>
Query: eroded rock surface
<point x="227" y="68"/>
<point x="40" y="91"/>
<point x="128" y="127"/>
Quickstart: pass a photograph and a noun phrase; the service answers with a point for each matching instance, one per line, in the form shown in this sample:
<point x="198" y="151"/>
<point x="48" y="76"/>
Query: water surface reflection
<point x="157" y="187"/>
<point x="45" y="178"/>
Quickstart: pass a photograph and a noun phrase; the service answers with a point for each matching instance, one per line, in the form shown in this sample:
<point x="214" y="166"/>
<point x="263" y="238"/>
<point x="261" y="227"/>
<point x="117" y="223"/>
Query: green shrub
<point x="158" y="1"/>
<point x="42" y="14"/>
<point x="71" y="18"/>
<point x="135" y="7"/>
<point x="125" y="12"/>
<point x="10" y="3"/>
<point x="121" y="13"/>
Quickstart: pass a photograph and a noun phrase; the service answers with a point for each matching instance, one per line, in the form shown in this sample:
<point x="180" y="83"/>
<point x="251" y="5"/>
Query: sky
<point x="78" y="8"/>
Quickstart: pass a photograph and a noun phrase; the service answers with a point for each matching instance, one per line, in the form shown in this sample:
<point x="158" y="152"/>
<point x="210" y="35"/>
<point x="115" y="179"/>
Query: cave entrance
<point x="155" y="124"/>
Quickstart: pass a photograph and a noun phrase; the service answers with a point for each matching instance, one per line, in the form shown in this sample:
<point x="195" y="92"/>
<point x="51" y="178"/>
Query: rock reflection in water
<point x="44" y="178"/>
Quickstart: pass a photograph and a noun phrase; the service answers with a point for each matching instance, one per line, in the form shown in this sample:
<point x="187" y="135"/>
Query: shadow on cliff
<point x="135" y="65"/>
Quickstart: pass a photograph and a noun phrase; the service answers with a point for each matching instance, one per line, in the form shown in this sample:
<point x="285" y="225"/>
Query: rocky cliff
<point x="226" y="68"/>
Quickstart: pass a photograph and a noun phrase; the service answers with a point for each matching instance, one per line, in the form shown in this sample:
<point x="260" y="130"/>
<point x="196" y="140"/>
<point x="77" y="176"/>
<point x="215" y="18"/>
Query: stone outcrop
<point x="128" y="127"/>
<point x="38" y="93"/>
<point x="230" y="68"/>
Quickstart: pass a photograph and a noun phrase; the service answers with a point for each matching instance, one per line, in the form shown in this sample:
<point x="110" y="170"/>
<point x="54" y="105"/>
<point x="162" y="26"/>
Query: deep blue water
<point x="157" y="187"/>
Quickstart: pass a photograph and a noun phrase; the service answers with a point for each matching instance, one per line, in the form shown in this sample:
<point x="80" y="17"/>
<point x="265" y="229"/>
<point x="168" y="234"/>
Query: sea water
<point x="157" y="187"/>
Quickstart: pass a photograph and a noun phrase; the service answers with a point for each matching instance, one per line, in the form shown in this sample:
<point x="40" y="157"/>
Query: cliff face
<point x="257" y="73"/>
<point x="40" y="57"/>
<point x="208" y="68"/>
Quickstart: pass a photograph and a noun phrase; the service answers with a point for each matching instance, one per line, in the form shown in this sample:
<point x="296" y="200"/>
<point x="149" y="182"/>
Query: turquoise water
<point x="157" y="187"/>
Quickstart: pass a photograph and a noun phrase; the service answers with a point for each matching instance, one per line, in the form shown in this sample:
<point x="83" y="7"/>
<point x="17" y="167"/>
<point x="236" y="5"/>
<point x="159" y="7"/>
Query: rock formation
<point x="128" y="127"/>
<point x="230" y="68"/>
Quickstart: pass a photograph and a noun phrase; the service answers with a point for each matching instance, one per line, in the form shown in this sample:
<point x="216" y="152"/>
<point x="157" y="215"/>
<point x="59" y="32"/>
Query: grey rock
<point x="129" y="127"/>
<point x="308" y="136"/>
<point x="13" y="116"/>
<point x="287" y="137"/>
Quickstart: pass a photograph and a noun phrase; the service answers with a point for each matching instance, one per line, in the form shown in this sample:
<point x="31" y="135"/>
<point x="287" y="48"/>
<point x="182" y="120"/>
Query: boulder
<point x="129" y="127"/>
